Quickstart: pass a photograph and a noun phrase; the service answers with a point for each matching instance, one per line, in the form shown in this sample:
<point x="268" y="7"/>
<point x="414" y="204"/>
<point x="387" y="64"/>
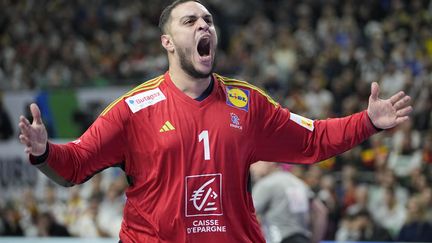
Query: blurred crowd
<point x="93" y="209"/>
<point x="318" y="58"/>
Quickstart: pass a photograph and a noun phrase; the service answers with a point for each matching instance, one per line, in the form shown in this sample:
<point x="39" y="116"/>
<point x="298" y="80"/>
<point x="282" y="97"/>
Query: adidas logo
<point x="167" y="127"/>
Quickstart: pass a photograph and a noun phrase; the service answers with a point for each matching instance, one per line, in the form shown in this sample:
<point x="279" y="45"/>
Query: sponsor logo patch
<point x="237" y="97"/>
<point x="302" y="121"/>
<point x="203" y="195"/>
<point x="145" y="99"/>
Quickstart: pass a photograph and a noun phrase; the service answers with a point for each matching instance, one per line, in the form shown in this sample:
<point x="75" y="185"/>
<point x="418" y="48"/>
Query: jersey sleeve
<point x="100" y="147"/>
<point x="282" y="136"/>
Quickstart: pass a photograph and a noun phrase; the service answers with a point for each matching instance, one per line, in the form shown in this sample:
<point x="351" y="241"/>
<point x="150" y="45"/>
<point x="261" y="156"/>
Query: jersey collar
<point x="182" y="96"/>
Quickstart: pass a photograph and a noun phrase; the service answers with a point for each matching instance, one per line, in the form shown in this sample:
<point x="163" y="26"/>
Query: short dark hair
<point x="166" y="13"/>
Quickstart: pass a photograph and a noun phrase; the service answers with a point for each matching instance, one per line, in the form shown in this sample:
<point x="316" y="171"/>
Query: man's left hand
<point x="388" y="113"/>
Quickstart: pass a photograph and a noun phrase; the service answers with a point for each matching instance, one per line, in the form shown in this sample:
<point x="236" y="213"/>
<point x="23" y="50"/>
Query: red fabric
<point x="177" y="193"/>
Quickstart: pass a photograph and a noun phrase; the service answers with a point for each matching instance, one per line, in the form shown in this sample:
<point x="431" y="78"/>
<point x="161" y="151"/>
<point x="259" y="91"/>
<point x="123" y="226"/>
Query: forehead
<point x="189" y="9"/>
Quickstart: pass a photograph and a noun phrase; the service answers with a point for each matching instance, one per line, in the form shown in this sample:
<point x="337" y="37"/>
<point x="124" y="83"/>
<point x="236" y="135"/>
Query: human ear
<point x="167" y="43"/>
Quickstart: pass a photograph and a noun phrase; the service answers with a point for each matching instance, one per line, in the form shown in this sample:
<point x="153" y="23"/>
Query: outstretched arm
<point x="101" y="146"/>
<point x="286" y="137"/>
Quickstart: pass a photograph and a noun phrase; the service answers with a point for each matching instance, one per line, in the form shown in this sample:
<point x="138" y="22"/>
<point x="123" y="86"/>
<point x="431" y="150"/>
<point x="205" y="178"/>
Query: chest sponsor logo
<point x="206" y="225"/>
<point x="302" y="121"/>
<point x="237" y="97"/>
<point x="145" y="99"/>
<point x="203" y="195"/>
<point x="235" y="121"/>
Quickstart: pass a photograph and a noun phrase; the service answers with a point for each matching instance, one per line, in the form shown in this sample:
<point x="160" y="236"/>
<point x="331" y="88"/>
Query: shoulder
<point x="241" y="89"/>
<point x="139" y="97"/>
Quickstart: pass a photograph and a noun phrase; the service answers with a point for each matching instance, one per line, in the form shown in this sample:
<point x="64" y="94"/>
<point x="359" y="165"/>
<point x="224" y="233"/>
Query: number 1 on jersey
<point x="205" y="136"/>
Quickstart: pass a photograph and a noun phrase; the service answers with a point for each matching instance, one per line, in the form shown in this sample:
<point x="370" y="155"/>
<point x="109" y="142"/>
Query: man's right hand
<point x="34" y="136"/>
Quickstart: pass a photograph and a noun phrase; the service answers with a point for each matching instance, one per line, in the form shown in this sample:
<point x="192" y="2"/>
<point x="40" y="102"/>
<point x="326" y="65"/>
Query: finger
<point x="25" y="121"/>
<point x="24" y="140"/>
<point x="402" y="119"/>
<point x="404" y="112"/>
<point x="395" y="98"/>
<point x="28" y="150"/>
<point x="374" y="91"/>
<point x="402" y="103"/>
<point x="36" y="113"/>
<point x="24" y="129"/>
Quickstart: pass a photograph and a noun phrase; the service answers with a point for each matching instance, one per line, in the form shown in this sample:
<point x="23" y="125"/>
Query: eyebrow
<point x="195" y="16"/>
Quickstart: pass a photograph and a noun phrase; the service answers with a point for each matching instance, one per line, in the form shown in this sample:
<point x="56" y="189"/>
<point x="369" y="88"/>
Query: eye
<point x="208" y="20"/>
<point x="189" y="21"/>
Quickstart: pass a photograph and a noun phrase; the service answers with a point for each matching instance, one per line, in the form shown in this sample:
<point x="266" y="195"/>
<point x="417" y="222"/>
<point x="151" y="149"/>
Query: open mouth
<point x="203" y="47"/>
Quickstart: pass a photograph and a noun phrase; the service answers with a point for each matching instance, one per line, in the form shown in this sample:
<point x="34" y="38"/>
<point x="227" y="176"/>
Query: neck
<point x="192" y="87"/>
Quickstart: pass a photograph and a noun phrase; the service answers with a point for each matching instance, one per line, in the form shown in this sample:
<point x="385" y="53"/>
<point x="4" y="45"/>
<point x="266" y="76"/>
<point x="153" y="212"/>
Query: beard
<point x="188" y="67"/>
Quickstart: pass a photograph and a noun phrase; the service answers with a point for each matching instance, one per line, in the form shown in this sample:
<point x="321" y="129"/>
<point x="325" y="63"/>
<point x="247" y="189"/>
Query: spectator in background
<point x="393" y="79"/>
<point x="418" y="182"/>
<point x="94" y="188"/>
<point x="9" y="222"/>
<point x="360" y="200"/>
<point x="359" y="226"/>
<point x="427" y="149"/>
<point x="426" y="201"/>
<point x="76" y="207"/>
<point x="415" y="228"/>
<point x="405" y="161"/>
<point x="377" y="192"/>
<point x="402" y="134"/>
<point x="110" y="211"/>
<point x="6" y="130"/>
<point x="286" y="207"/>
<point x="391" y="214"/>
<point x="423" y="106"/>
<point x="405" y="156"/>
<point x="318" y="100"/>
<point x="327" y="194"/>
<point x="87" y="224"/>
<point x="48" y="226"/>
<point x="285" y="54"/>
<point x="375" y="157"/>
<point x="312" y="177"/>
<point x="28" y="211"/>
<point x="52" y="204"/>
<point x="348" y="184"/>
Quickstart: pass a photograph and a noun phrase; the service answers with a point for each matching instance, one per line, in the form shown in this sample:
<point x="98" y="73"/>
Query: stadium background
<point x="315" y="57"/>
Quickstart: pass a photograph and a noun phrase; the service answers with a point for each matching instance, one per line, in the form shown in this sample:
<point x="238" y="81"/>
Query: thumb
<point x="374" y="91"/>
<point x="36" y="113"/>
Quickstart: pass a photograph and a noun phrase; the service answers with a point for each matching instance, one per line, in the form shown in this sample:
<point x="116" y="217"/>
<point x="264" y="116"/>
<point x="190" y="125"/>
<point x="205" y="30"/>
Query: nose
<point x="202" y="24"/>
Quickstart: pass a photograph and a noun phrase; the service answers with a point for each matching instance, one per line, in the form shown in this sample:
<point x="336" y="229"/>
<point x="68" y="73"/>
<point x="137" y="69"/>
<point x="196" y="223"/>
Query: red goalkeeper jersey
<point x="189" y="160"/>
